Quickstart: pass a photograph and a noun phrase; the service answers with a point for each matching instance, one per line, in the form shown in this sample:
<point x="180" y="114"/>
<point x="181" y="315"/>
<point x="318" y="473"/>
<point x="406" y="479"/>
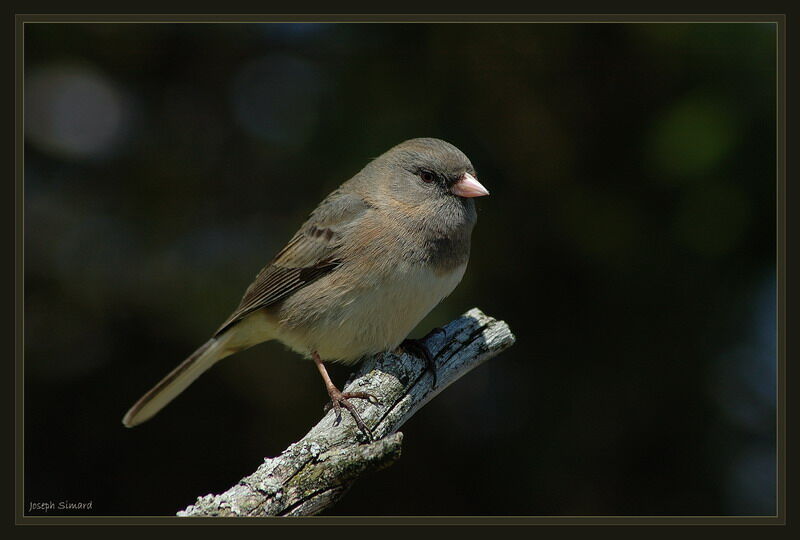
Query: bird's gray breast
<point x="445" y="253"/>
<point x="447" y="239"/>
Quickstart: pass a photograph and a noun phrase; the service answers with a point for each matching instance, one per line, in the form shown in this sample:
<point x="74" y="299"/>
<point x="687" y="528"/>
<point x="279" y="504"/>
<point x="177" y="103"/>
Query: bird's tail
<point x="178" y="380"/>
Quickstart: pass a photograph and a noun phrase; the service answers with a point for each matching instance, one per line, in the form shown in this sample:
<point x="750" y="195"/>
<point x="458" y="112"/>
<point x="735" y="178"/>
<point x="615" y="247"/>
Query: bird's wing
<point x="310" y="254"/>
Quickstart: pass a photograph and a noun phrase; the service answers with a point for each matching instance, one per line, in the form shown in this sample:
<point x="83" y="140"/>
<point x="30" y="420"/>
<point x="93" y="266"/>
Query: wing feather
<point x="310" y="254"/>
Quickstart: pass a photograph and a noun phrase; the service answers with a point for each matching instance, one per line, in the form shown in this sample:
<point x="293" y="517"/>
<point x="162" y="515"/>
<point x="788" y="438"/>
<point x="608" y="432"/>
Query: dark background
<point x="629" y="241"/>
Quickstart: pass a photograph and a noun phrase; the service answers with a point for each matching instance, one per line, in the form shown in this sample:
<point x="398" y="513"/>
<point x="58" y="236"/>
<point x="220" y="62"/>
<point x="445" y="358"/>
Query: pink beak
<point x="468" y="186"/>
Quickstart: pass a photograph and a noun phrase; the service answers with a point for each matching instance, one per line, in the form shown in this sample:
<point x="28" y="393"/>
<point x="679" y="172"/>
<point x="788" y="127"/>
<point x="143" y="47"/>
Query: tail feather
<point x="176" y="381"/>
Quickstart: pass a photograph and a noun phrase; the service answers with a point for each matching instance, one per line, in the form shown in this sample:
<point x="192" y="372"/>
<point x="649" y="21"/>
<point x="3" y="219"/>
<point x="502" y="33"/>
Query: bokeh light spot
<point x="73" y="112"/>
<point x="693" y="137"/>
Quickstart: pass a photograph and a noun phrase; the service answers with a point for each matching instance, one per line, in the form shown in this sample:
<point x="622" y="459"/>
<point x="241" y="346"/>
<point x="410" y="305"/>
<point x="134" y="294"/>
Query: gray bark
<point x="316" y="471"/>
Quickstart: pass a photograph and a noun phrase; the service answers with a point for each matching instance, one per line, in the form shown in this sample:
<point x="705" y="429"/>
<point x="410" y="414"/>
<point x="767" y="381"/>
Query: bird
<point x="370" y="262"/>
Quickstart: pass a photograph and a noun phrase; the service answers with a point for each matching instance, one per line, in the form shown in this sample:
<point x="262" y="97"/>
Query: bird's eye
<point x="427" y="176"/>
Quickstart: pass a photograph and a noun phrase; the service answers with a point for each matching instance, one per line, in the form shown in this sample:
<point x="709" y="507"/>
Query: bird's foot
<point x="418" y="348"/>
<point x="342" y="399"/>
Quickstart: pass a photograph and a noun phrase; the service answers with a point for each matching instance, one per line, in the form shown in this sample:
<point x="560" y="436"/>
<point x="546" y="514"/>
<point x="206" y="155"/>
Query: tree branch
<point x="315" y="472"/>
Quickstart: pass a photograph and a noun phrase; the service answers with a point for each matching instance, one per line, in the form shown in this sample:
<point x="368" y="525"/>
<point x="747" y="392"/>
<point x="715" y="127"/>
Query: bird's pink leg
<point x="340" y="399"/>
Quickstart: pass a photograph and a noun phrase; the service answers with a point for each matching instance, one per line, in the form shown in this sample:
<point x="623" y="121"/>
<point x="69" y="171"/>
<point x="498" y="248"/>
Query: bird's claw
<point x="341" y="399"/>
<point x="418" y="348"/>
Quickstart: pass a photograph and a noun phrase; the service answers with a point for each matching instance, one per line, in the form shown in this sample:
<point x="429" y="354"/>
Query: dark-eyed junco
<point x="370" y="262"/>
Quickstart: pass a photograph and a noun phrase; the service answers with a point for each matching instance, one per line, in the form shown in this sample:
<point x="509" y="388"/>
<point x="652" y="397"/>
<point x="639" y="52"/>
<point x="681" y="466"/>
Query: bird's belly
<point x="369" y="320"/>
